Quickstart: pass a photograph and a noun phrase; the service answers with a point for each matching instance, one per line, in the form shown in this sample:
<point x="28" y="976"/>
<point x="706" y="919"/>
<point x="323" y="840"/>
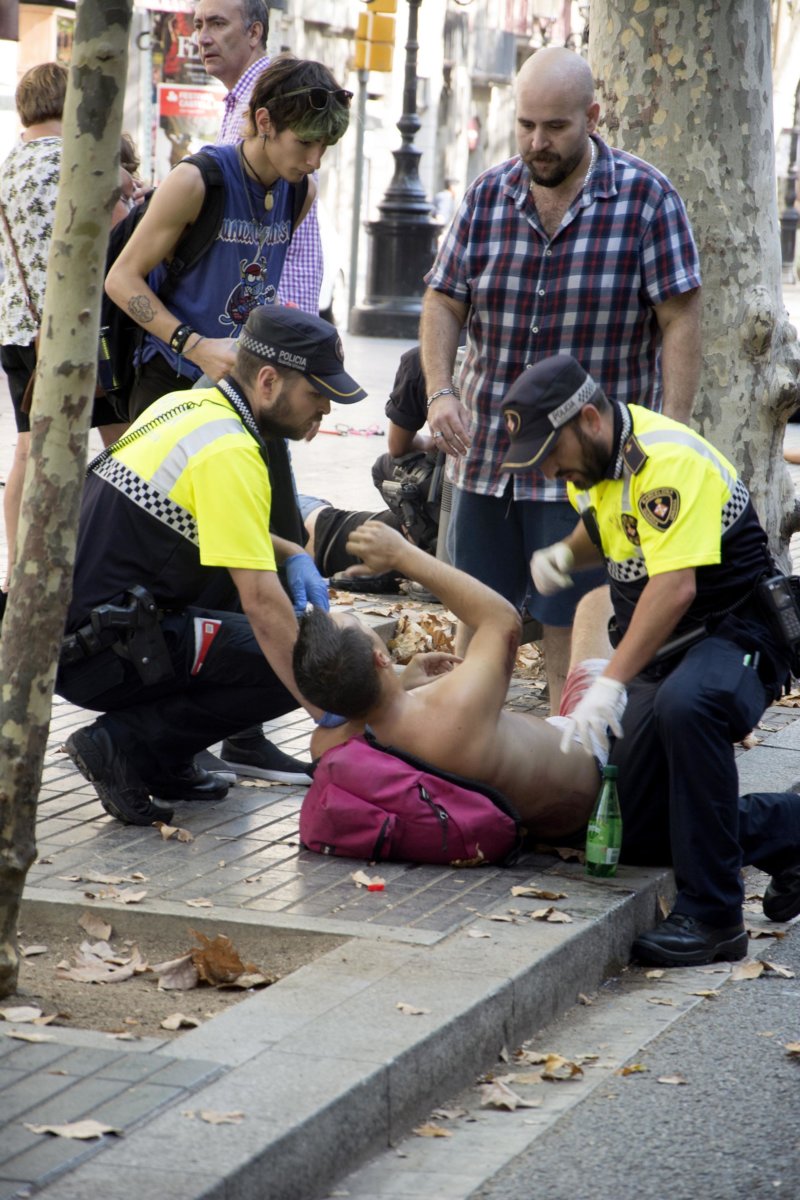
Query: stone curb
<point x="329" y="1072"/>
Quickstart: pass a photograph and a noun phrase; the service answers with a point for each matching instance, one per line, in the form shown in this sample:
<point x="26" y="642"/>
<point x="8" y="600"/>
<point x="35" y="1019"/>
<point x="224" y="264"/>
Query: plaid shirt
<point x="624" y="245"/>
<point x="302" y="272"/>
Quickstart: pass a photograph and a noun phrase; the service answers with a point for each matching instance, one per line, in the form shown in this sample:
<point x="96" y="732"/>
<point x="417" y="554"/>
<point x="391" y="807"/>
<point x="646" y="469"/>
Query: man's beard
<point x="595" y="464"/>
<point x="563" y="169"/>
<point x="273" y="426"/>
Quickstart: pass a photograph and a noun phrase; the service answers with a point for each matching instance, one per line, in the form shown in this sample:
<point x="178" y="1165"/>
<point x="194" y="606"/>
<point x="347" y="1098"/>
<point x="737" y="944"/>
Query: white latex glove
<point x="550" y="568"/>
<point x="600" y="709"/>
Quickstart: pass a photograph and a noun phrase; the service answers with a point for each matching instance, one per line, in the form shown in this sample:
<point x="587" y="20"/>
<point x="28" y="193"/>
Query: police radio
<point x="780" y="597"/>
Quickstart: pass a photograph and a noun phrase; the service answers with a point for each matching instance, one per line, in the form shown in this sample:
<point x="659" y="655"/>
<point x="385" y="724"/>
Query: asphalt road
<point x="731" y="1133"/>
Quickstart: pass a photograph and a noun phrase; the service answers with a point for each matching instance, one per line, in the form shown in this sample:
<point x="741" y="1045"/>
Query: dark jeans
<point x="154" y="380"/>
<point x="163" y="726"/>
<point x="678" y="784"/>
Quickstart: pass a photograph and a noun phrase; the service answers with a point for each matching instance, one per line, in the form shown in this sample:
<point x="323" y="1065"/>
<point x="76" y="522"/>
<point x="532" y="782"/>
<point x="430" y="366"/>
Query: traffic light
<point x="375" y="36"/>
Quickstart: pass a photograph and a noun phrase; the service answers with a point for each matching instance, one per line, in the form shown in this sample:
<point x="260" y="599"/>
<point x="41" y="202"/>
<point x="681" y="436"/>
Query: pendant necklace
<point x="269" y="199"/>
<point x="258" y="222"/>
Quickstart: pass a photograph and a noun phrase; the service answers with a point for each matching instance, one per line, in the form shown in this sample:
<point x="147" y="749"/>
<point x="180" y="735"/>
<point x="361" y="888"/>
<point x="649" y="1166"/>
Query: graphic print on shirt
<point x="254" y="286"/>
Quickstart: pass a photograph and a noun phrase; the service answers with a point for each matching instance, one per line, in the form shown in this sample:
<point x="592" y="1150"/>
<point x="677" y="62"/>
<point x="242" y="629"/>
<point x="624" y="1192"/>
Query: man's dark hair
<point x="334" y="666"/>
<point x="257" y="10"/>
<point x="289" y="74"/>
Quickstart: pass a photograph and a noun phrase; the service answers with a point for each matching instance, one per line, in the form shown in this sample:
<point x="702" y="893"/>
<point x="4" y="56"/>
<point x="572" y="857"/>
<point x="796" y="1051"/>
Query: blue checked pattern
<point x="302" y="272"/>
<point x="624" y="246"/>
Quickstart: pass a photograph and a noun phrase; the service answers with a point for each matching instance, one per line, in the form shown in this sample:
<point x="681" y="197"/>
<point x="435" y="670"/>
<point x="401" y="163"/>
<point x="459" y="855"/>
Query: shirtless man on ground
<point x="457" y="722"/>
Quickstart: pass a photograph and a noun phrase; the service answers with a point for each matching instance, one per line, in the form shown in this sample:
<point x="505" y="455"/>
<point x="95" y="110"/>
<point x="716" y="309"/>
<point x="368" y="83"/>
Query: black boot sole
<point x="91" y="763"/>
<point x="730" y="951"/>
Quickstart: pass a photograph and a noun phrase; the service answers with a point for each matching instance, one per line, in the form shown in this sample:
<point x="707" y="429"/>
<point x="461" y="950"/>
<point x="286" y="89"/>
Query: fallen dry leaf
<point x="212" y="1117"/>
<point x="31" y="951"/>
<point x="174" y="1021"/>
<point x="553" y="915"/>
<point x="661" y="1000"/>
<point x="218" y="961"/>
<point x="792" y="1049"/>
<point x="584" y="999"/>
<point x="777" y="969"/>
<point x="707" y="994"/>
<point x="80" y="1130"/>
<point x="674" y="1079"/>
<point x="538" y="893"/>
<point x="664" y="906"/>
<point x="478" y="933"/>
<point x="20" y="1014"/>
<point x="764" y="931"/>
<point x="498" y="1094"/>
<point x="655" y="974"/>
<point x="90" y="967"/>
<point x="411" y="1010"/>
<point x="255" y="783"/>
<point x="24" y="1035"/>
<point x="131" y="896"/>
<point x="199" y="902"/>
<point x="173" y="831"/>
<point x="449" y="1114"/>
<point x="751" y="968"/>
<point x="95" y="926"/>
<point x="502" y="917"/>
<point x="176" y="974"/>
<point x="557" y="1068"/>
<point x="429" y="1130"/>
<point x="632" y="1069"/>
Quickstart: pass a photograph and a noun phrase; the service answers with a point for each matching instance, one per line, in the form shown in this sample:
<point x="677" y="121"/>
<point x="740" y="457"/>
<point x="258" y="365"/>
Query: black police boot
<point x="191" y="782"/>
<point x="121" y="791"/>
<point x="683" y="941"/>
<point x="782" y="897"/>
<point x="250" y="754"/>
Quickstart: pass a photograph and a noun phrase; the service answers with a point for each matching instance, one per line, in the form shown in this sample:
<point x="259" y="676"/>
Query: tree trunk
<point x="687" y="86"/>
<point x="42" y="580"/>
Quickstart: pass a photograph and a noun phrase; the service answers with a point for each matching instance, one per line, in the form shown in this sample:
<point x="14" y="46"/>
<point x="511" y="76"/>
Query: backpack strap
<point x="200" y="236"/>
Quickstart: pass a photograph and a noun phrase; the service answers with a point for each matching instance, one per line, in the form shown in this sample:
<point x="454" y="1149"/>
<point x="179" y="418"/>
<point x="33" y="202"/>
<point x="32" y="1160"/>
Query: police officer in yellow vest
<point x="179" y="506"/>
<point x="696" y="659"/>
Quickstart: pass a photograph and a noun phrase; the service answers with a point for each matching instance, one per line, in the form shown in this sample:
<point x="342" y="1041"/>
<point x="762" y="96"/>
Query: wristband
<point x="180" y="337"/>
<point x="445" y="391"/>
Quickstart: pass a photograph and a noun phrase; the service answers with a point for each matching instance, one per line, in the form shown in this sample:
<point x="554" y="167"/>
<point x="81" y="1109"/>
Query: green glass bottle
<point x="604" y="835"/>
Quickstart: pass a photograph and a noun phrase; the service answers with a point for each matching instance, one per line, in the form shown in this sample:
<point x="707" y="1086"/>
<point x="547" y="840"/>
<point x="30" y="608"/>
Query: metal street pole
<point x="358" y="187"/>
<point x="402" y="242"/>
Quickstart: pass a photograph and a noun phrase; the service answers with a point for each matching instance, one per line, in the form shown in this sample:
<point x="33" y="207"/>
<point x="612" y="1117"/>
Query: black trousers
<point x="163" y="726"/>
<point x="678" y="784"/>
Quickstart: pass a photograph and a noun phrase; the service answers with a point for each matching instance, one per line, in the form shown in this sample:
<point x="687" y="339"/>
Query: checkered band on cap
<point x="566" y="411"/>
<point x="262" y="349"/>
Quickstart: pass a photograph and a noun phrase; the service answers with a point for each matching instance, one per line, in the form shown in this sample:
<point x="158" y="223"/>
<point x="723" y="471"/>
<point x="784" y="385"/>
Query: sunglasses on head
<point x="319" y="98"/>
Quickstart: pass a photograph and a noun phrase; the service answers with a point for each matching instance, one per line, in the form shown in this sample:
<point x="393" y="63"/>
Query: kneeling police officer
<point x="171" y="514"/>
<point x="697" y="658"/>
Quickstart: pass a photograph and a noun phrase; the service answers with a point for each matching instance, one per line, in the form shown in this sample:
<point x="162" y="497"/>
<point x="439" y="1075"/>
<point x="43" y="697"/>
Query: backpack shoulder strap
<point x="199" y="238"/>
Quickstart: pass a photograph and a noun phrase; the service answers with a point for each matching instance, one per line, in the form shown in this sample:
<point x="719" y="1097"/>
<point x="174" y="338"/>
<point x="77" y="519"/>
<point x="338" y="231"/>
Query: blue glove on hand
<point x="306" y="585"/>
<point x="331" y="721"/>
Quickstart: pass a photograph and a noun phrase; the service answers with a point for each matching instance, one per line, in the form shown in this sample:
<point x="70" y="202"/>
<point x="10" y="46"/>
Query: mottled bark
<point x="65" y="382"/>
<point x="687" y="86"/>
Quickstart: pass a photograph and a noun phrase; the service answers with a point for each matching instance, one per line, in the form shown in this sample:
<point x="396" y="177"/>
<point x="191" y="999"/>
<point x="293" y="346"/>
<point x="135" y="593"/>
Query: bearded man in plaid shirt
<point x="232" y="39"/>
<point x="570" y="247"/>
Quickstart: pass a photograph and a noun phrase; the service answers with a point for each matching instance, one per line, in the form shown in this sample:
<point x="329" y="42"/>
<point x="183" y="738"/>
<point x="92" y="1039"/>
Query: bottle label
<point x="607" y="856"/>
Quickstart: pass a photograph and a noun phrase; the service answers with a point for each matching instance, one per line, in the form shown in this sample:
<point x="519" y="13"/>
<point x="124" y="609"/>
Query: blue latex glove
<point x="331" y="721"/>
<point x="306" y="585"/>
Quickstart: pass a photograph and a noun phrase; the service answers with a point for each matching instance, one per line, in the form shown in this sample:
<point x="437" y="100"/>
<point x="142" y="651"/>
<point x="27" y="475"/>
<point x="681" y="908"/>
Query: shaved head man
<point x="570" y="247"/>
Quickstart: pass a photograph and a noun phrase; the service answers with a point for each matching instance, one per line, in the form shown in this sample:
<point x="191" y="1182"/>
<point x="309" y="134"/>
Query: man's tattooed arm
<point x="141" y="309"/>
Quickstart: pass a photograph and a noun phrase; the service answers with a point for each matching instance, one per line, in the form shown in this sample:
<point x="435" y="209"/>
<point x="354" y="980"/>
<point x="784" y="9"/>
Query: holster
<point x="132" y="630"/>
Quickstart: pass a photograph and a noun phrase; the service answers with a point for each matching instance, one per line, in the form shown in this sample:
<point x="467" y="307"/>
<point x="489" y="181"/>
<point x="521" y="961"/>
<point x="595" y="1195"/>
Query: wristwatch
<point x="180" y="337"/>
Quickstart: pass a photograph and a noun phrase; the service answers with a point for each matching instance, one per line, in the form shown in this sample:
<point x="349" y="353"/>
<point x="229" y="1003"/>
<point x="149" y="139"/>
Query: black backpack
<point x="120" y="336"/>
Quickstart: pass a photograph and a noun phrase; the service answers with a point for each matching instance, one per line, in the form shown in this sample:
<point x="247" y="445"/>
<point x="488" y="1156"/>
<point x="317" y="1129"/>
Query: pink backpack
<point x="374" y="802"/>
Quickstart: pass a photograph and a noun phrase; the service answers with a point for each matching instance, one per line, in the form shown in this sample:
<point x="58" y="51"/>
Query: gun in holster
<point x="132" y="630"/>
